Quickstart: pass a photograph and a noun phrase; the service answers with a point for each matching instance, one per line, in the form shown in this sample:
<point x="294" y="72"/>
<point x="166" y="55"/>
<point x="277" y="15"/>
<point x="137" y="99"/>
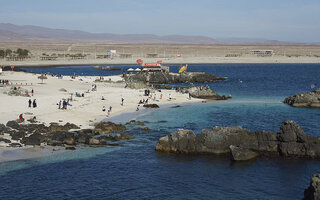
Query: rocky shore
<point x="69" y="135"/>
<point x="243" y="144"/>
<point x="313" y="191"/>
<point x="201" y="92"/>
<point x="310" y="99"/>
<point x="165" y="77"/>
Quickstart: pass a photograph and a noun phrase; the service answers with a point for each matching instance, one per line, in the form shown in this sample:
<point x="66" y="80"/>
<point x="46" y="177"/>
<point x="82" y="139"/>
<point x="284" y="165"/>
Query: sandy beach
<point x="83" y="111"/>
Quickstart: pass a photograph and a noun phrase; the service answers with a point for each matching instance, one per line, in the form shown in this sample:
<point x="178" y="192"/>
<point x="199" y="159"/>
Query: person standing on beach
<point x="59" y="104"/>
<point x="161" y="96"/>
<point x="122" y="99"/>
<point x="30" y="103"/>
<point x="32" y="92"/>
<point x="34" y="103"/>
<point x="110" y="108"/>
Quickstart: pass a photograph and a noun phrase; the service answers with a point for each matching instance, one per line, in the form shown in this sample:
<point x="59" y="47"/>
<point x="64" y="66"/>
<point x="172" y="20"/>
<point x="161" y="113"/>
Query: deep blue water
<point x="135" y="171"/>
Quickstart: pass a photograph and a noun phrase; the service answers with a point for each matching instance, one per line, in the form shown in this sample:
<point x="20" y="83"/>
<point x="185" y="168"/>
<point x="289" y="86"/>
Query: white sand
<point x="84" y="110"/>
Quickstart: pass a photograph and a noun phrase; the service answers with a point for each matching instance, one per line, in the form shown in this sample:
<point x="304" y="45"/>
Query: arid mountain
<point x="12" y="33"/>
<point x="28" y="33"/>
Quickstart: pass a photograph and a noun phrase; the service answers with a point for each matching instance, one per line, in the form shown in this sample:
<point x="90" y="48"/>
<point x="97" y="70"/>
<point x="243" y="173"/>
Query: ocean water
<point x="134" y="170"/>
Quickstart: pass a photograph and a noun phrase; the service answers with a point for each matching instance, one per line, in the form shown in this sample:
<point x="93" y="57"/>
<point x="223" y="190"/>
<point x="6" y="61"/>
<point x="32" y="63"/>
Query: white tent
<point x="138" y="69"/>
<point x="130" y="70"/>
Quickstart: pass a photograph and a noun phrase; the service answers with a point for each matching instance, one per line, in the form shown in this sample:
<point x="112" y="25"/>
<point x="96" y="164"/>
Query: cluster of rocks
<point x="60" y="135"/>
<point x="313" y="191"/>
<point x="311" y="99"/>
<point x="165" y="77"/>
<point x="243" y="144"/>
<point x="202" y="92"/>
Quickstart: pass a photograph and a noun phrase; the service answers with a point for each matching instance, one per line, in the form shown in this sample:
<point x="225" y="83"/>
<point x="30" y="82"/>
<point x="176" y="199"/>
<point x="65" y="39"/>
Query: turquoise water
<point x="134" y="170"/>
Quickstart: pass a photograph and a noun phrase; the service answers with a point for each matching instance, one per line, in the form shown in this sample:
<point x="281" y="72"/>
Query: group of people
<point x="143" y="101"/>
<point x="33" y="103"/>
<point x="4" y="82"/>
<point x="64" y="104"/>
<point x="109" y="110"/>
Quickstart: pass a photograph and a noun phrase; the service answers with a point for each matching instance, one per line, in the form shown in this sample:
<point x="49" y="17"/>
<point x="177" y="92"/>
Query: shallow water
<point x="134" y="170"/>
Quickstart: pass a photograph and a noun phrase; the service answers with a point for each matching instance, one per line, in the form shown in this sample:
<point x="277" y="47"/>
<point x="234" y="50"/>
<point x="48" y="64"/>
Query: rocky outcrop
<point x="137" y="85"/>
<point x="54" y="127"/>
<point x="243" y="144"/>
<point x="165" y="77"/>
<point x="60" y="135"/>
<point x="150" y="106"/>
<point x="311" y="99"/>
<point x="34" y="139"/>
<point x="202" y="92"/>
<point x="313" y="191"/>
<point x="242" y="154"/>
<point x="107" y="127"/>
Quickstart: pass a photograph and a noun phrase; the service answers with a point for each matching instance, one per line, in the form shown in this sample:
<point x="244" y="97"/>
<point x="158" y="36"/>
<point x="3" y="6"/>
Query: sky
<point x="285" y="20"/>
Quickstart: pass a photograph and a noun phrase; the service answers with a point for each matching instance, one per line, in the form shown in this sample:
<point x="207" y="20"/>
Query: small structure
<point x="125" y="55"/>
<point x="152" y="55"/>
<point x="261" y="52"/>
<point x="48" y="57"/>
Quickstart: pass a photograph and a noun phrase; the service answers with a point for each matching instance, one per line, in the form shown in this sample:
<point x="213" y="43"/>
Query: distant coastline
<point x="166" y="61"/>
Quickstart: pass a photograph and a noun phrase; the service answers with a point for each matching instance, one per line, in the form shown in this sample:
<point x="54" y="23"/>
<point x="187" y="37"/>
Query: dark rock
<point x="242" y="154"/>
<point x="15" y="145"/>
<point x="150" y="106"/>
<point x="13" y="124"/>
<point x="70" y="148"/>
<point x="107" y="127"/>
<point x="291" y="132"/>
<point x="34" y="139"/>
<point x="18" y="135"/>
<point x="311" y="99"/>
<point x="164" y="77"/>
<point x="105" y="137"/>
<point x="94" y="141"/>
<point x="3" y="128"/>
<point x="4" y="140"/>
<point x="83" y="138"/>
<point x="290" y="142"/>
<point x="54" y="143"/>
<point x="123" y="137"/>
<point x="54" y="127"/>
<point x="165" y="87"/>
<point x="313" y="191"/>
<point x="140" y="123"/>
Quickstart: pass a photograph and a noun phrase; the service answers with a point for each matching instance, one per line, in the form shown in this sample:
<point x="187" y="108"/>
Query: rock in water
<point x="107" y="127"/>
<point x="150" y="106"/>
<point x="290" y="142"/>
<point x="311" y="99"/>
<point x="70" y="148"/>
<point x="313" y="191"/>
<point x="242" y="154"/>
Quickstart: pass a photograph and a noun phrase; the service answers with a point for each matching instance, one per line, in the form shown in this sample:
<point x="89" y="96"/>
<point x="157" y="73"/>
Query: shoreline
<point x="167" y="61"/>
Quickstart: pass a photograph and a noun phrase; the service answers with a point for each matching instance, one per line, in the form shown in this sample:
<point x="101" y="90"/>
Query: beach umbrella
<point x="42" y="77"/>
<point x="130" y="70"/>
<point x="138" y="69"/>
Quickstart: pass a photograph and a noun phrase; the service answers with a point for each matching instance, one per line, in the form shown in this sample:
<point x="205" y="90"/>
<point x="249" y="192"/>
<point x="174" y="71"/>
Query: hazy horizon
<point x="290" y="21"/>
